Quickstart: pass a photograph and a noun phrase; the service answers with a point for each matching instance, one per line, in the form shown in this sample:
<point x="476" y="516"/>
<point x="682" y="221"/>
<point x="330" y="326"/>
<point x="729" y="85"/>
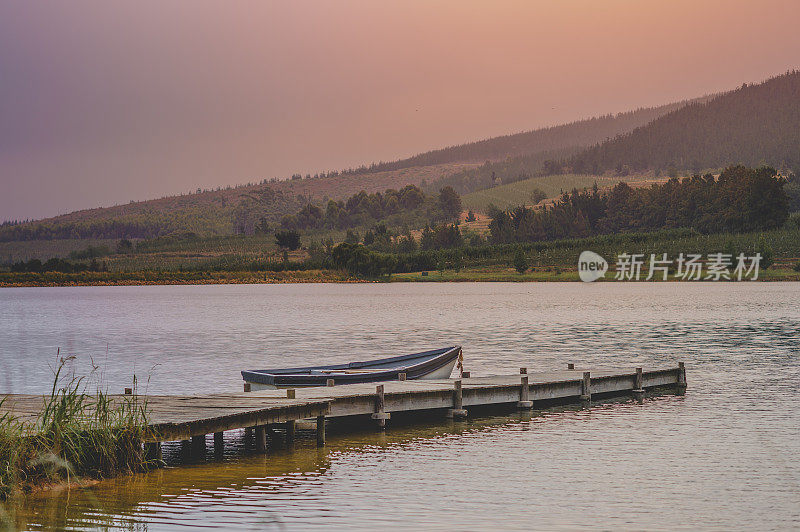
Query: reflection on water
<point x="722" y="457"/>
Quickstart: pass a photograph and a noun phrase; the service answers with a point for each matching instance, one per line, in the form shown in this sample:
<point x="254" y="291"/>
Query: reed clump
<point x="77" y="435"/>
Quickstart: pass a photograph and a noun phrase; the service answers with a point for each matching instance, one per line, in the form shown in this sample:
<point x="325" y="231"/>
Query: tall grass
<point x="76" y="434"/>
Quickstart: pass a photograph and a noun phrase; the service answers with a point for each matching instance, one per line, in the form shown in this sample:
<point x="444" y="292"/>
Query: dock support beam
<point x="380" y="414"/>
<point x="586" y="389"/>
<point x="524" y="402"/>
<point x="458" y="402"/>
<point x="219" y="443"/>
<point x="290" y="429"/>
<point x="570" y="366"/>
<point x="152" y="450"/>
<point x="680" y="388"/>
<point x="199" y="446"/>
<point x="320" y="431"/>
<point x="261" y="439"/>
<point x="638" y="390"/>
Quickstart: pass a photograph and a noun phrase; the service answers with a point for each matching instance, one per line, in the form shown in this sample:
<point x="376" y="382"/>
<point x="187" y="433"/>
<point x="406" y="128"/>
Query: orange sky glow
<point x="104" y="102"/>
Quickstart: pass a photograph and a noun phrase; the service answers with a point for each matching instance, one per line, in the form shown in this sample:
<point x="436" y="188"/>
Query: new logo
<point x="591" y="266"/>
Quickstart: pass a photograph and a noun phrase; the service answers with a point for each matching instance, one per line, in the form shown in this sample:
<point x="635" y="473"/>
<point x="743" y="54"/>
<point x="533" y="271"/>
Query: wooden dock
<point x="191" y="418"/>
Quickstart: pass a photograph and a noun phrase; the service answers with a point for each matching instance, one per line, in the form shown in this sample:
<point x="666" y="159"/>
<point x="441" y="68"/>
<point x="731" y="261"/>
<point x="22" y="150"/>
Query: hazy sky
<point x="103" y="102"/>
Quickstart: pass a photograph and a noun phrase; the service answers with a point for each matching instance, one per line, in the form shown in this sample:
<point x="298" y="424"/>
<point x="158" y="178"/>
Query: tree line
<point x="409" y="203"/>
<point x="741" y="199"/>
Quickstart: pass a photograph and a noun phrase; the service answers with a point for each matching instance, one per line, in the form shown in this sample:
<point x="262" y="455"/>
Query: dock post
<point x="523" y="371"/>
<point x="380" y="404"/>
<point x="290" y="428"/>
<point x="330" y="382"/>
<point x="247" y="386"/>
<point x="320" y="431"/>
<point x="638" y="390"/>
<point x="152" y="450"/>
<point x="290" y="393"/>
<point x="401" y="376"/>
<point x="219" y="443"/>
<point x="524" y="392"/>
<point x="458" y="401"/>
<point x="261" y="439"/>
<point x="248" y="437"/>
<point x="570" y="366"/>
<point x="186" y="449"/>
<point x="586" y="389"/>
<point x="680" y="388"/>
<point x="199" y="446"/>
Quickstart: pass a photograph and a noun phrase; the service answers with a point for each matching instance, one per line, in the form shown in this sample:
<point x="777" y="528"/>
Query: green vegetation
<point x="408" y="206"/>
<point x="529" y="191"/>
<point x="77" y="434"/>
<point x="359" y="260"/>
<point x="520" y="261"/>
<point x="741" y="199"/>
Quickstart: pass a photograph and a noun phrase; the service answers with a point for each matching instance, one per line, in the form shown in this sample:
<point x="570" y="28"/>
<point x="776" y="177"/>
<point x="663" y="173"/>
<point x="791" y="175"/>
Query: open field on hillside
<point x="11" y="252"/>
<point x="519" y="193"/>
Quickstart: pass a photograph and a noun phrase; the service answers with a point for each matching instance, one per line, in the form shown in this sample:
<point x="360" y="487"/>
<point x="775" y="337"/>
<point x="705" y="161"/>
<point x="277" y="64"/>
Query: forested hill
<point x="752" y="125"/>
<point x="239" y="209"/>
<point x="580" y="133"/>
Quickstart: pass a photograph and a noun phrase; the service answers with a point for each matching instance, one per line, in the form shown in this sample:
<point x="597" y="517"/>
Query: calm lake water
<point x="725" y="456"/>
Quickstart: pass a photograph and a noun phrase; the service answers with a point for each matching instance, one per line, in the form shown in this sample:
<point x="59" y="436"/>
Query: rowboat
<point x="434" y="364"/>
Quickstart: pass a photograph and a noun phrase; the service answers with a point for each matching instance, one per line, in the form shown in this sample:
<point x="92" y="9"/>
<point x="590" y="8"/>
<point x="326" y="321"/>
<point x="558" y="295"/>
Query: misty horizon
<point x="220" y="97"/>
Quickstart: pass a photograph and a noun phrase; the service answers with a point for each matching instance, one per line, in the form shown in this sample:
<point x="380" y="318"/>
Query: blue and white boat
<point x="434" y="364"/>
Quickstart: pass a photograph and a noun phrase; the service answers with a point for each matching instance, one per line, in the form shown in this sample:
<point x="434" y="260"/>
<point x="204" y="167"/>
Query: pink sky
<point x="104" y="102"/>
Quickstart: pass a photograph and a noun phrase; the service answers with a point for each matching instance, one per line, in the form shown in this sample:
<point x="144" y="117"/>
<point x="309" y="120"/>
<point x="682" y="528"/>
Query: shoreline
<point x="148" y="278"/>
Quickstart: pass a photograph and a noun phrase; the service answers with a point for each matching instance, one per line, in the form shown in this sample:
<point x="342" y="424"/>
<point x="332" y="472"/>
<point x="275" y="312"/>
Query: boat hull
<point x="434" y="364"/>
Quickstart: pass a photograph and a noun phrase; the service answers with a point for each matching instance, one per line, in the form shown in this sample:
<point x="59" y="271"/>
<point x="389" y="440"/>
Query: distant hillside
<point x="231" y="210"/>
<point x="580" y="133"/>
<point x="752" y="125"/>
<point x="239" y="209"/>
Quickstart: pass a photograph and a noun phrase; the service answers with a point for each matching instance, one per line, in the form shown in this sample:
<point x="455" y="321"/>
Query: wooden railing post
<point x="680" y="388"/>
<point x="638" y="389"/>
<point x="380" y="414"/>
<point x="586" y="389"/>
<point x="524" y="392"/>
<point x="458" y="401"/>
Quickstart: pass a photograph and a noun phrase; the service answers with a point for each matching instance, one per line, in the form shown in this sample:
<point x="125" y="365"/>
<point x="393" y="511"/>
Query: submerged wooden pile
<point x="184" y="418"/>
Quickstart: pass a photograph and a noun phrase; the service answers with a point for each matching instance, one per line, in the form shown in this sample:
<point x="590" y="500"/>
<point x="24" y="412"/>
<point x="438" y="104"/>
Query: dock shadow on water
<point x="248" y="490"/>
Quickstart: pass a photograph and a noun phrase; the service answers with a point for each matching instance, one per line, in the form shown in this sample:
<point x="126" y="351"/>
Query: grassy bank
<point x="510" y="275"/>
<point x="149" y="277"/>
<point x="77" y="435"/>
